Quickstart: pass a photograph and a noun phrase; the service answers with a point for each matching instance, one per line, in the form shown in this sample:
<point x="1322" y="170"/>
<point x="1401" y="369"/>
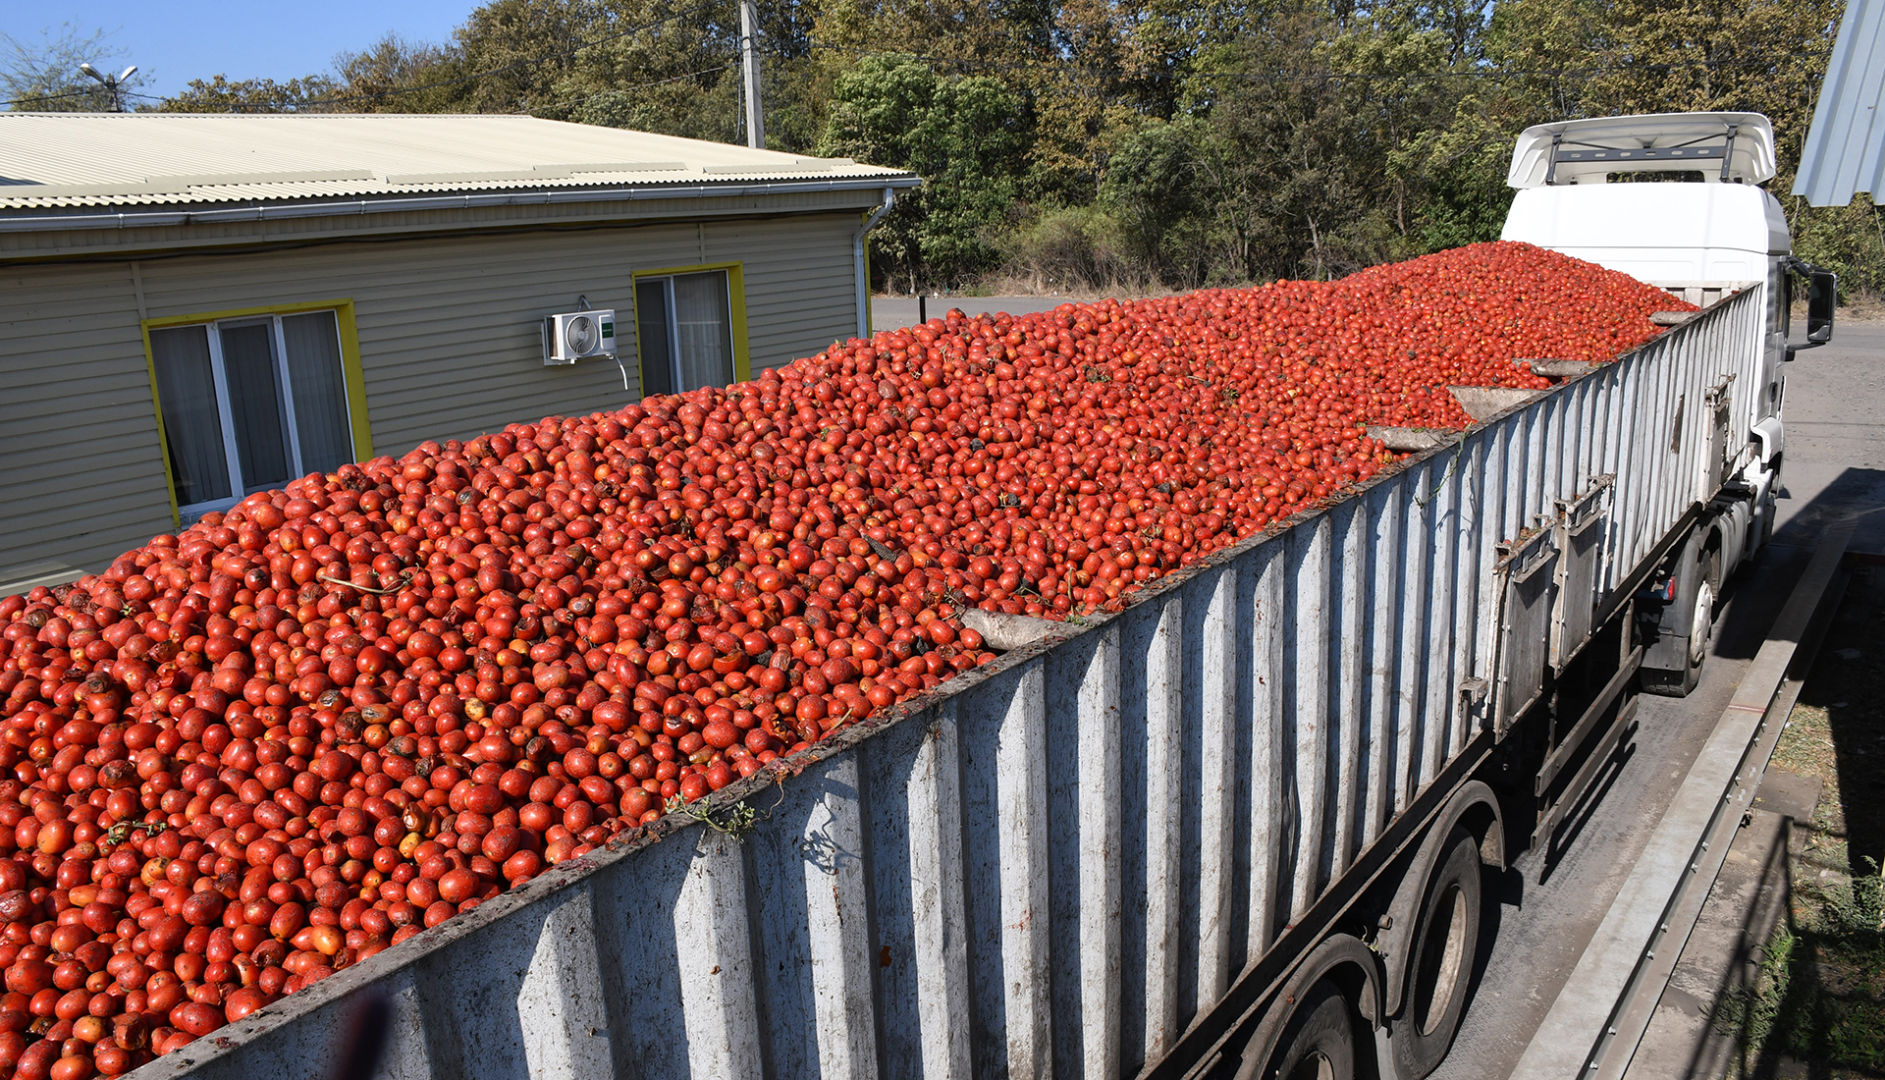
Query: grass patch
<point x="1820" y="998"/>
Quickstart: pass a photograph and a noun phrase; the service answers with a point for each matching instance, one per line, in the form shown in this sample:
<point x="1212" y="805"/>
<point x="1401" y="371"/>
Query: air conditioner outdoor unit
<point x="575" y="335"/>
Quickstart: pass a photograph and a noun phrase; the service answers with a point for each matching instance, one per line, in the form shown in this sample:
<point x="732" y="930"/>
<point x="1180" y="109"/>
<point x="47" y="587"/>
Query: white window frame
<point x="674" y="322"/>
<point x="212" y="331"/>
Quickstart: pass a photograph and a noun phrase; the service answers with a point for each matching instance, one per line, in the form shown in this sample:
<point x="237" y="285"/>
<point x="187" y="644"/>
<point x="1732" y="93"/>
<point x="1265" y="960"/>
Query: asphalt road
<point x="1835" y="458"/>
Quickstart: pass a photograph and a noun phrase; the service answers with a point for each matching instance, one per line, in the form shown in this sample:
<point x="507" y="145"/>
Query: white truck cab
<point x="1709" y="230"/>
<point x="1685" y="237"/>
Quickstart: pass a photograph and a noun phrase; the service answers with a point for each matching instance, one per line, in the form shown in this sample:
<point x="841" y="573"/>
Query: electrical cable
<point x="82" y="91"/>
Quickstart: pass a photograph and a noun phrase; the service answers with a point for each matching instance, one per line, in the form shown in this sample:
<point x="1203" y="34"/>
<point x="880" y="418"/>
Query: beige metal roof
<point x="60" y="160"/>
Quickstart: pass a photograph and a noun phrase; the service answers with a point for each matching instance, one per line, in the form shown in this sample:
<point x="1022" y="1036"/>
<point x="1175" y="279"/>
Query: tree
<point x="1130" y="142"/>
<point x="514" y="51"/>
<point x="641" y="64"/>
<point x="401" y="76"/>
<point x="1408" y="69"/>
<point x="1767" y="56"/>
<point x="962" y="134"/>
<point x="1680" y="55"/>
<point x="44" y="76"/>
<point x="999" y="37"/>
<point x="1296" y="155"/>
<point x="1090" y="96"/>
<point x="312" y="93"/>
<point x="1157" y="191"/>
<point x="655" y="66"/>
<point x="1007" y="43"/>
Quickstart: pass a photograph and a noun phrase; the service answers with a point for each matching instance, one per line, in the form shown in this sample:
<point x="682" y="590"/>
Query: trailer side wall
<point x="1059" y="865"/>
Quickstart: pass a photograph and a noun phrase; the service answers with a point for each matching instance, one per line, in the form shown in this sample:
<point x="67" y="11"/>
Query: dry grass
<point x="1860" y="309"/>
<point x="1864" y="309"/>
<point x="1017" y="285"/>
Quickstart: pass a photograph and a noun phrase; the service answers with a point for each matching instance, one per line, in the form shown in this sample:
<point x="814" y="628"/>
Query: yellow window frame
<point x="351" y="373"/>
<point x="870" y="316"/>
<point x="736" y="314"/>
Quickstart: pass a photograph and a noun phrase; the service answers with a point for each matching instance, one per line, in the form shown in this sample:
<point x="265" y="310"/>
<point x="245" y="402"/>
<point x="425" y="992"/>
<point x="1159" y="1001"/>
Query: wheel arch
<point x="1474" y="807"/>
<point x="1727" y="539"/>
<point x="1341" y="958"/>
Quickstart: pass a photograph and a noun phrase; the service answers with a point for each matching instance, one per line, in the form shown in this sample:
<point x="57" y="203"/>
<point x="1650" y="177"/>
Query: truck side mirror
<point x="1821" y="298"/>
<point x="1822" y="295"/>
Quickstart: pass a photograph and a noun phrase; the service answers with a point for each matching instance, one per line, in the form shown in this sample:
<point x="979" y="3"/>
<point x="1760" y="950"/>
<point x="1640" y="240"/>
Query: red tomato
<point x="301" y="730"/>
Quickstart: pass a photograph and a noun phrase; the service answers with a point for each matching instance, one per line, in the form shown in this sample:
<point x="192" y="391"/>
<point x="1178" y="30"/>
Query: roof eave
<point x="397" y="203"/>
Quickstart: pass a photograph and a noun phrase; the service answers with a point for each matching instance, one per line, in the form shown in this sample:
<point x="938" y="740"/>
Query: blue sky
<point x="174" y="42"/>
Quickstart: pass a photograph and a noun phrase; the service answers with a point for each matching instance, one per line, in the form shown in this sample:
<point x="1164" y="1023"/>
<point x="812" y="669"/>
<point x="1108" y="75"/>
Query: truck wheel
<point x="1319" y="1043"/>
<point x="1446" y="944"/>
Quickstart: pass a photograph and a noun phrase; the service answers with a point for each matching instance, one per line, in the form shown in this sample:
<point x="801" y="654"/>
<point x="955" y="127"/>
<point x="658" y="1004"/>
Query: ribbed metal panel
<point x="1845" y="148"/>
<point x="1056" y="864"/>
<point x="80" y="475"/>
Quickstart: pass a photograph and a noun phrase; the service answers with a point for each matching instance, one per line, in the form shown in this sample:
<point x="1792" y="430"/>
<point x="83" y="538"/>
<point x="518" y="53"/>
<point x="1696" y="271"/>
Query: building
<point x="193" y="307"/>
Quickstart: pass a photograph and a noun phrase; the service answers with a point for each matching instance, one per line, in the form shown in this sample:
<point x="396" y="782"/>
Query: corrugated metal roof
<point x="50" y="161"/>
<point x="1845" y="149"/>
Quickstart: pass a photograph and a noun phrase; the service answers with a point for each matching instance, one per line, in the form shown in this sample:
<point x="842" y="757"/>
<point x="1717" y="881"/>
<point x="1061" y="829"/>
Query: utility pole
<point x="749" y="62"/>
<point x="111" y="83"/>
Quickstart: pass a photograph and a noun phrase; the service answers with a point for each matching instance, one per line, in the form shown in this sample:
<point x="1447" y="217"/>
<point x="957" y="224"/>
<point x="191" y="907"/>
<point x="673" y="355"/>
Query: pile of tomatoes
<point x="299" y="732"/>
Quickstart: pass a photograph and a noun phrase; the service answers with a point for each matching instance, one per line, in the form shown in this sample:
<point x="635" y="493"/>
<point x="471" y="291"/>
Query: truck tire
<point x="1446" y="946"/>
<point x="1319" y="1043"/>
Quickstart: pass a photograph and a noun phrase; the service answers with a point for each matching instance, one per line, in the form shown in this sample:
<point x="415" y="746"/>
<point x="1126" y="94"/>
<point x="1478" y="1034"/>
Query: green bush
<point x="1848" y="240"/>
<point x="1070" y="249"/>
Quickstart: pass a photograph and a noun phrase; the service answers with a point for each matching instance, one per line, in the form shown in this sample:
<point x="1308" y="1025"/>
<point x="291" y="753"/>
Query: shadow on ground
<point x="1816" y="1007"/>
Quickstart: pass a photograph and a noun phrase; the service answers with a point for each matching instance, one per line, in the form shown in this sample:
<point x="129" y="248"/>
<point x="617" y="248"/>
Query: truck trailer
<point x="1239" y="828"/>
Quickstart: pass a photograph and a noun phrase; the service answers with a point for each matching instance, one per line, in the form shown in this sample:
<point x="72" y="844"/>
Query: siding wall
<point x="449" y="345"/>
<point x="80" y="474"/>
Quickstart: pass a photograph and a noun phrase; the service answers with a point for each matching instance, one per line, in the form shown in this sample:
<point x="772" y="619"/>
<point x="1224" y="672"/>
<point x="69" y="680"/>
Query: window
<point x="250" y="403"/>
<point x="689" y="327"/>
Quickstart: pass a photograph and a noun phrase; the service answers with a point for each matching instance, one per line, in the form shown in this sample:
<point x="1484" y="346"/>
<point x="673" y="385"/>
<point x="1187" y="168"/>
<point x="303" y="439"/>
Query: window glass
<point x="255" y="403"/>
<point x="318" y="389"/>
<point x="250" y="404"/>
<point x="703" y="330"/>
<point x="186" y="391"/>
<point x="657" y="345"/>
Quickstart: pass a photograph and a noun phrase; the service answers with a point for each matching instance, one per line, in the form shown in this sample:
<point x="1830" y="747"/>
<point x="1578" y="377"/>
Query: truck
<point x="1240" y="827"/>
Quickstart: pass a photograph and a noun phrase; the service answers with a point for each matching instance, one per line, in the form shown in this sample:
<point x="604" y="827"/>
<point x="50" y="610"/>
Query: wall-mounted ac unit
<point x="575" y="335"/>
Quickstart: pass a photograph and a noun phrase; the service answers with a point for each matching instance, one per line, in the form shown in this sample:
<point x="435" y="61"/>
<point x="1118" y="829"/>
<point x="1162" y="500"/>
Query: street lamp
<point x="111" y="83"/>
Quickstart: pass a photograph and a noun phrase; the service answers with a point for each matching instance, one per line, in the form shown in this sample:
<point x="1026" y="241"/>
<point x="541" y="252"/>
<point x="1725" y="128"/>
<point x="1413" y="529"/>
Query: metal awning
<point x="1845" y="148"/>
